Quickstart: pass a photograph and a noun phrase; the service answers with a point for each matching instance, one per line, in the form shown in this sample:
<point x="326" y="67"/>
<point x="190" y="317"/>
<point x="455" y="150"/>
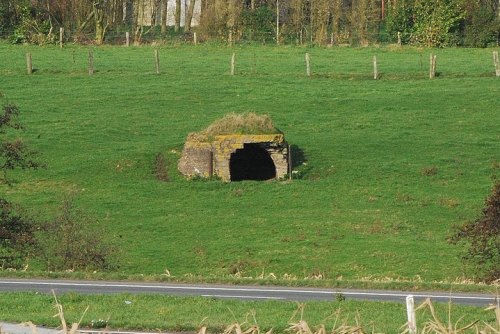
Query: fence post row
<point x="376" y="74"/>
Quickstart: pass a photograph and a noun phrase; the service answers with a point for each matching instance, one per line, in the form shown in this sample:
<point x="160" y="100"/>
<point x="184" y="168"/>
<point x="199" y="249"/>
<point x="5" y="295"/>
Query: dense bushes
<point x="481" y="25"/>
<point x="16" y="236"/>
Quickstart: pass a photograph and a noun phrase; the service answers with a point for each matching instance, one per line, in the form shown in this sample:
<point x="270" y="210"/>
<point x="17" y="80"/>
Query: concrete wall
<point x="202" y="158"/>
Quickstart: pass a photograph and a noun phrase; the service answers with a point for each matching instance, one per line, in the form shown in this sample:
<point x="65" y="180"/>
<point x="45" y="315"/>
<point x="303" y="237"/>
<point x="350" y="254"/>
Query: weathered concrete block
<point x="236" y="157"/>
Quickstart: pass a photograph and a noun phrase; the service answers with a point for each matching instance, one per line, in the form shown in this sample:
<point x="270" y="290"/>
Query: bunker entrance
<point x="252" y="162"/>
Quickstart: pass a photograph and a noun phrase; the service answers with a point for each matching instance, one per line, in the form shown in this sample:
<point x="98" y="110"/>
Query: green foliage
<point x="481" y="25"/>
<point x="16" y="236"/>
<point x="436" y="23"/>
<point x="74" y="241"/>
<point x="482" y="238"/>
<point x="13" y="153"/>
<point x="258" y="24"/>
<point x="32" y="26"/>
<point x="400" y="20"/>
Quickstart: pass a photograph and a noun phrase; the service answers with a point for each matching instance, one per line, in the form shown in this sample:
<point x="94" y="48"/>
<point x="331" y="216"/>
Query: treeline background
<point x="433" y="23"/>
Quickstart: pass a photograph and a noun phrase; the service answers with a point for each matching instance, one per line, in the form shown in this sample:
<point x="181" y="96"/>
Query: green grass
<point x="160" y="313"/>
<point x="364" y="205"/>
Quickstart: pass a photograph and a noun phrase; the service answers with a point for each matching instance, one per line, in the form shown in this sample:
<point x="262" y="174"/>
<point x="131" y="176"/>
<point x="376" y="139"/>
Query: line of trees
<point x="320" y="22"/>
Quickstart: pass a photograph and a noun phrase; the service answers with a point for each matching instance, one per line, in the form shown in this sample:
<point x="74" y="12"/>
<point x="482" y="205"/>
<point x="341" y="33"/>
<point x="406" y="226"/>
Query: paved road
<point x="237" y="292"/>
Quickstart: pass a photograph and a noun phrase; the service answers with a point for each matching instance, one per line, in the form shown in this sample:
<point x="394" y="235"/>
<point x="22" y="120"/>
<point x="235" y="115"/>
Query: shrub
<point x="436" y="23"/>
<point x="258" y="24"/>
<point x="74" y="241"/>
<point x="400" y="19"/>
<point x="482" y="238"/>
<point x="16" y="236"/>
<point x="13" y="153"/>
<point x="481" y="26"/>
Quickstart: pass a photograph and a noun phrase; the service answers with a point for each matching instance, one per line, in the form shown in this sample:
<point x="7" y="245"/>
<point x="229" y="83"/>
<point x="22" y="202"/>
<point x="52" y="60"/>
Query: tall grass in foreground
<point x="339" y="318"/>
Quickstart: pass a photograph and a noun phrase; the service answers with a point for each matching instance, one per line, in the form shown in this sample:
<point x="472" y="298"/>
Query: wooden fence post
<point x="29" y="63"/>
<point x="127" y="39"/>
<point x="290" y="162"/>
<point x="308" y="65"/>
<point x="496" y="62"/>
<point x="375" y="68"/>
<point x="432" y="66"/>
<point x="195" y="39"/>
<point x="157" y="61"/>
<point x="91" y="62"/>
<point x="233" y="61"/>
<point x="399" y="38"/>
<point x="61" y="34"/>
<point x="410" y="311"/>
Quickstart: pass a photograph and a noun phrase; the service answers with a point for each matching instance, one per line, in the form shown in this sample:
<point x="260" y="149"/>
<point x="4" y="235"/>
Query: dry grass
<point x="60" y="313"/>
<point x="437" y="326"/>
<point x="340" y="325"/>
<point x="249" y="123"/>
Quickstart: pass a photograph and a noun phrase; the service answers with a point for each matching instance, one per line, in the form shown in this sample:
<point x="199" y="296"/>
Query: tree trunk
<point x="164" y="11"/>
<point x="99" y="22"/>
<point x="177" y="15"/>
<point x="189" y="15"/>
<point x="136" y="27"/>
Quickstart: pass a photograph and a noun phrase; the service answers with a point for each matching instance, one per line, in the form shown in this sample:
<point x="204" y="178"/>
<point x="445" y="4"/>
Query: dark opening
<point x="252" y="162"/>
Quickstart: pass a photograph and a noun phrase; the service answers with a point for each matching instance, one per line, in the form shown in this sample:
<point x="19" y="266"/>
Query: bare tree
<point x="100" y="24"/>
<point x="189" y="15"/>
<point x="164" y="12"/>
<point x="177" y="15"/>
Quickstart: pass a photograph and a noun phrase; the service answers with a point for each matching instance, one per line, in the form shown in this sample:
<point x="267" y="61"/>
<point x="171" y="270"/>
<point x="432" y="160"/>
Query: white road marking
<point x="333" y="292"/>
<point x="243" y="297"/>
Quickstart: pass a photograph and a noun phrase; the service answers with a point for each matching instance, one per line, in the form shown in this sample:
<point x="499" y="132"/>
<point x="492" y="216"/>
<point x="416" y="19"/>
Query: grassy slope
<point x="364" y="207"/>
<point x="160" y="313"/>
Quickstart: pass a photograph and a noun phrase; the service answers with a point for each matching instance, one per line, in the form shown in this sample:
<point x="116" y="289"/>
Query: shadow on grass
<point x="300" y="168"/>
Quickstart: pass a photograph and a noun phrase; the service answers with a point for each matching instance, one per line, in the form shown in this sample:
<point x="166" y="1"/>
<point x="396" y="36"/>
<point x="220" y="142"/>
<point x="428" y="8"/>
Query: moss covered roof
<point x="248" y="123"/>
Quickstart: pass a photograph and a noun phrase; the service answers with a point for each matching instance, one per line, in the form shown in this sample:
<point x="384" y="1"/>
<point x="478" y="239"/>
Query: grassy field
<point x="160" y="313"/>
<point x="389" y="166"/>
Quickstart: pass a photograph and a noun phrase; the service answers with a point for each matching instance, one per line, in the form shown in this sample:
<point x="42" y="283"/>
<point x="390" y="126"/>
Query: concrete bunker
<point x="235" y="149"/>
